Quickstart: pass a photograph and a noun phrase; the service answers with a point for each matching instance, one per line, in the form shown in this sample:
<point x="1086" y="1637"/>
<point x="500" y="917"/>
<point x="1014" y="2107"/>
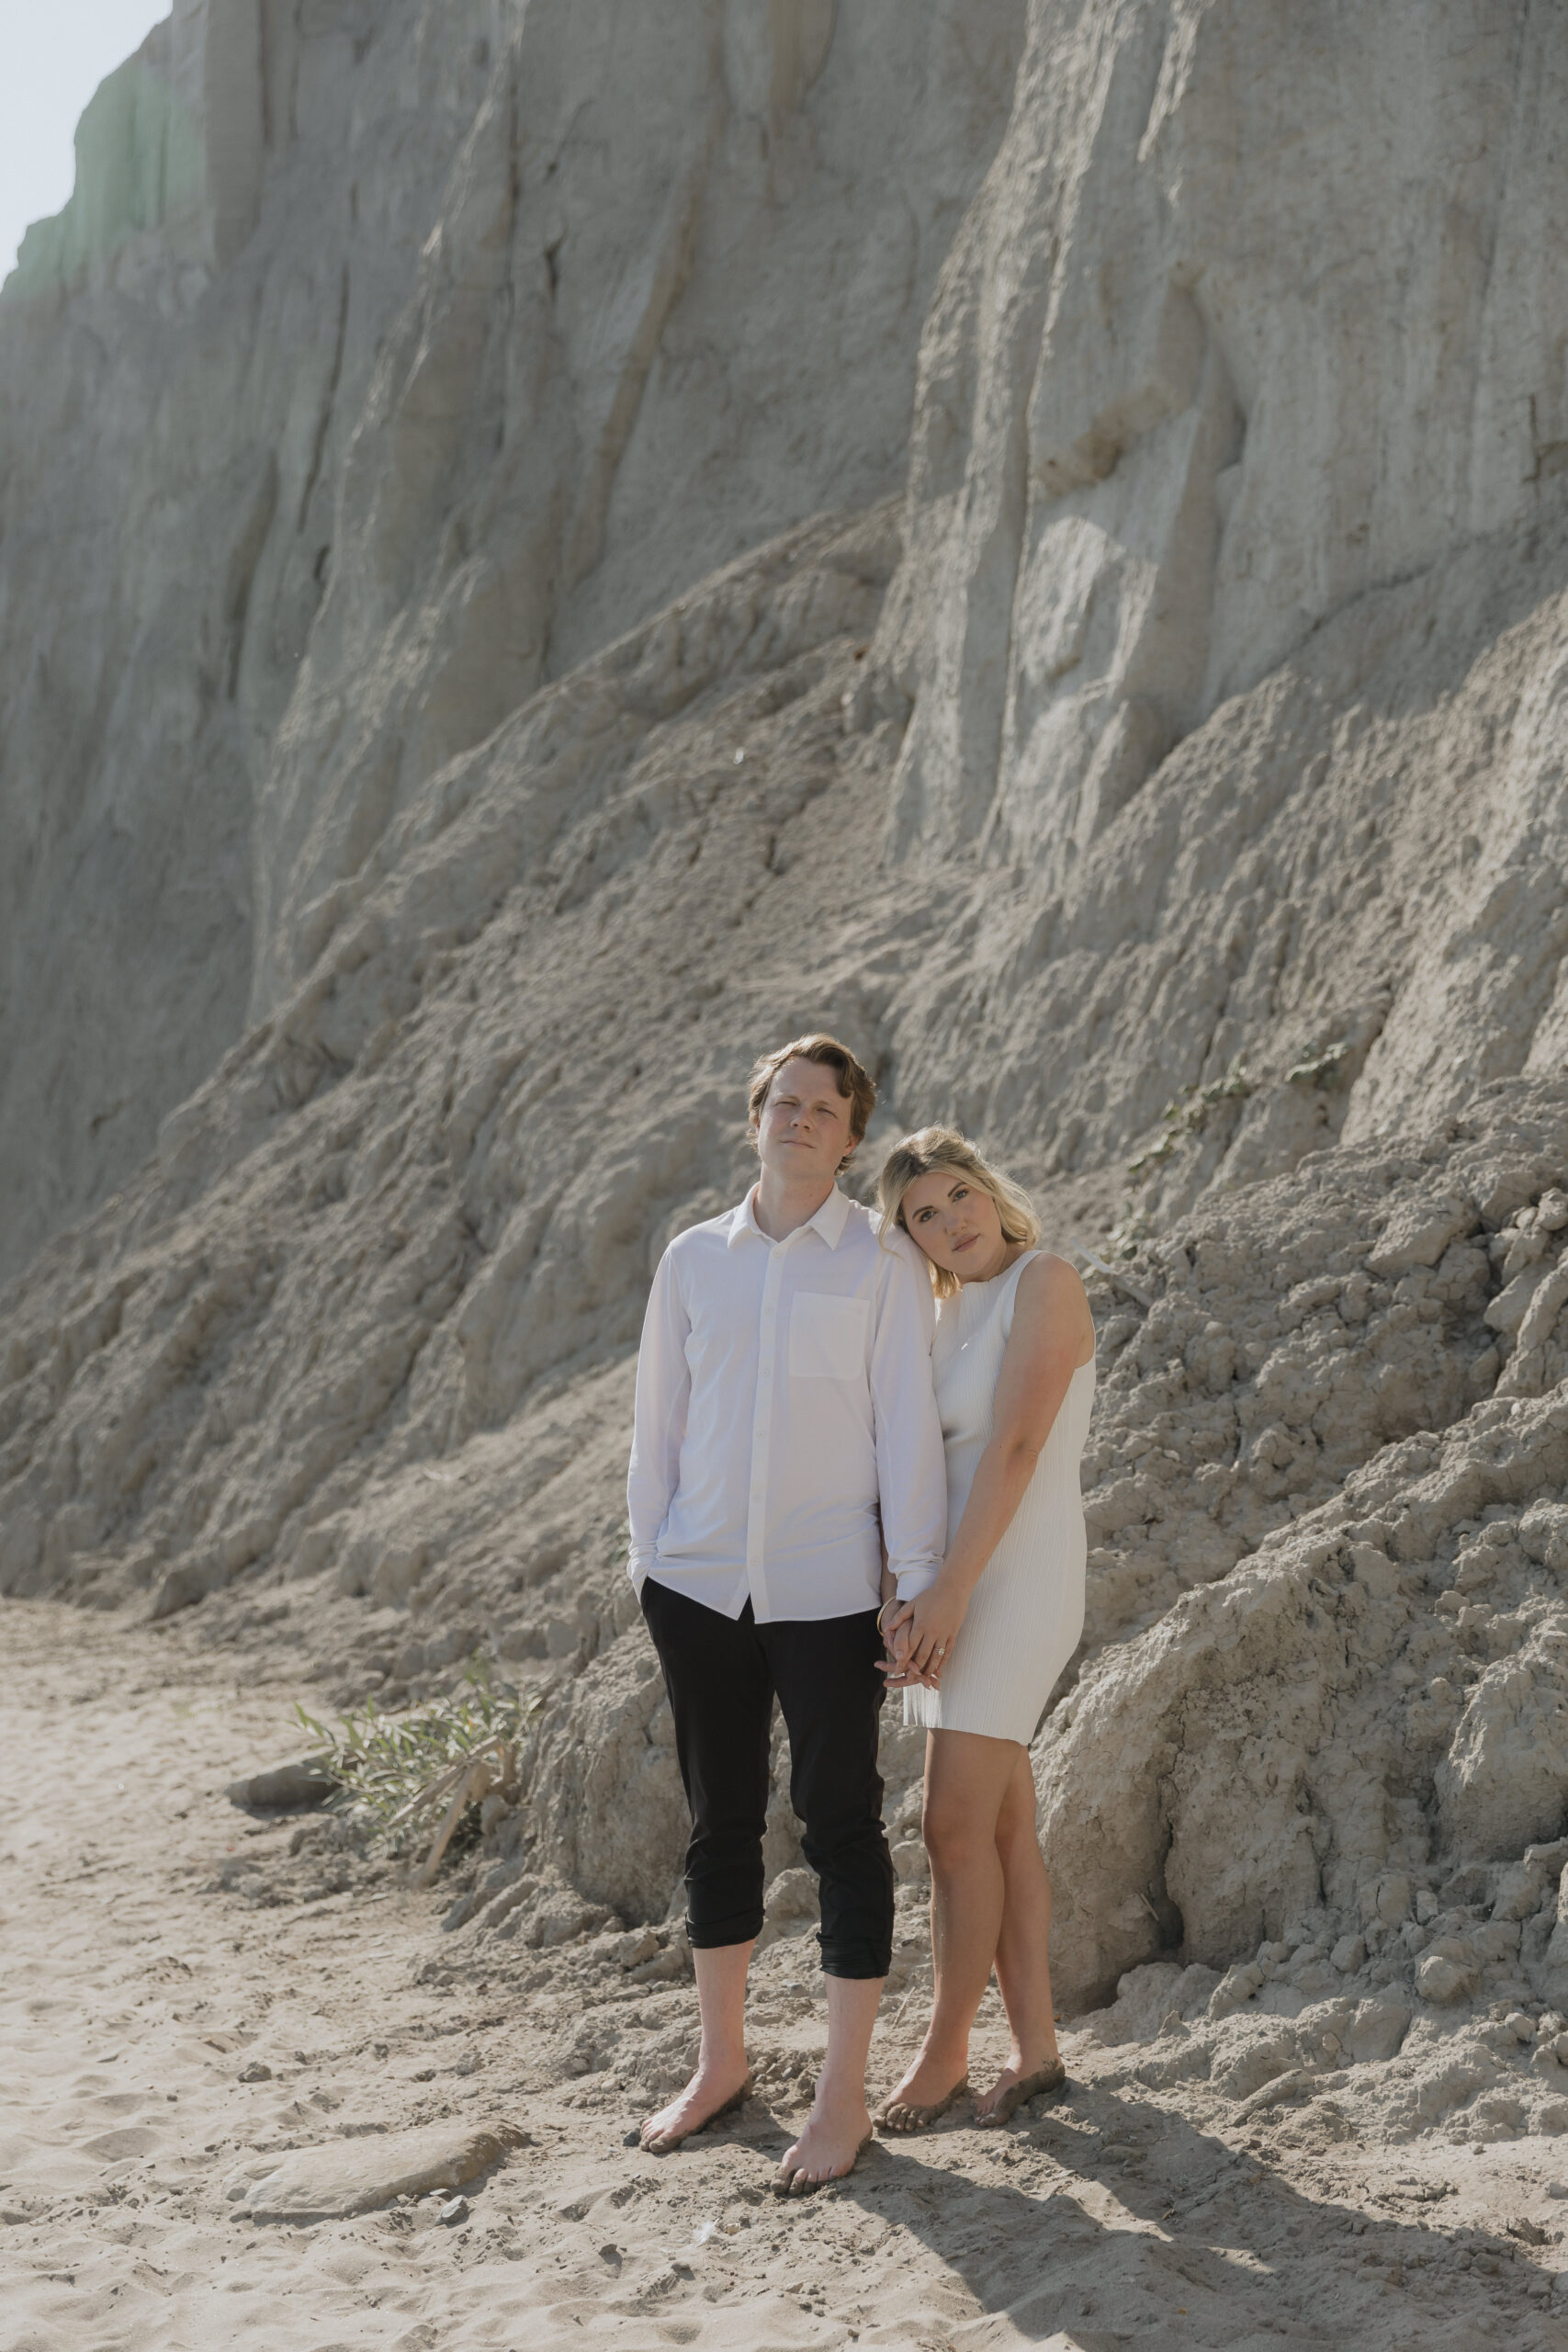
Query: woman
<point x="976" y="1652"/>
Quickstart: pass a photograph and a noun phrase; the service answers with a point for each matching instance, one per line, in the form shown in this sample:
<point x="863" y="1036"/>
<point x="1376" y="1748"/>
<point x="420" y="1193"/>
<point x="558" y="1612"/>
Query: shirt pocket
<point x="827" y="1336"/>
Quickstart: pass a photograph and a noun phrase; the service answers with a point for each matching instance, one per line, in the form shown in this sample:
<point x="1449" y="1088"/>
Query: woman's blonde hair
<point x="927" y="1153"/>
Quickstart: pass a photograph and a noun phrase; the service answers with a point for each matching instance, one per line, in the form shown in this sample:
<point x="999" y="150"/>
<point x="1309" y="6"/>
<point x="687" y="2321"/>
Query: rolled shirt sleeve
<point x="658" y="1424"/>
<point x="911" y="1467"/>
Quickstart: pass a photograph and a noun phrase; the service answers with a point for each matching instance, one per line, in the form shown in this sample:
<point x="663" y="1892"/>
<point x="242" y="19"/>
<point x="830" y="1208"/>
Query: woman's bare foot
<point x="1017" y="2083"/>
<point x="704" y="2098"/>
<point x="838" y="2129"/>
<point x="896" y="2115"/>
<point x="926" y="2090"/>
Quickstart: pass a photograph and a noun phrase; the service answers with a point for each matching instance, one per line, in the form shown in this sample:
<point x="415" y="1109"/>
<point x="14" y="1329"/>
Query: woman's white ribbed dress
<point x="1025" y="1616"/>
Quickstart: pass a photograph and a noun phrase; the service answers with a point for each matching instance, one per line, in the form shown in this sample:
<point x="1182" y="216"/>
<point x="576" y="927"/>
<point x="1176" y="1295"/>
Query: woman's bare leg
<point x="1023" y="1967"/>
<point x="967" y="1780"/>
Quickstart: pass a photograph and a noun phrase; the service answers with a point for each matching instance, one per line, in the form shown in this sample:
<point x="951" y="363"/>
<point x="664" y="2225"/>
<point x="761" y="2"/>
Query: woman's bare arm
<point x="1052" y="1336"/>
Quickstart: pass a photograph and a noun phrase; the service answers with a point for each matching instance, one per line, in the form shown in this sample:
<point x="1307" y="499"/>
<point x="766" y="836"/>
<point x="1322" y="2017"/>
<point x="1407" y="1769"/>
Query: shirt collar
<point x="831" y="1217"/>
<point x="743" y="1221"/>
<point x="830" y="1220"/>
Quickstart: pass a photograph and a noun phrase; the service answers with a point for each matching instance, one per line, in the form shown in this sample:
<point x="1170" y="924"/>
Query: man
<point x="785" y="1433"/>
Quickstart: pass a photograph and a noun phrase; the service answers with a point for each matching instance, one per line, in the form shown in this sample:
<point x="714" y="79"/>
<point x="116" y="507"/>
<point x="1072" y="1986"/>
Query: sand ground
<point x="180" y="1992"/>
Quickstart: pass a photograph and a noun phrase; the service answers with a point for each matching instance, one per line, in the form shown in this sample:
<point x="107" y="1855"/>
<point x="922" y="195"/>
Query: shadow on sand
<point x="1124" y="2225"/>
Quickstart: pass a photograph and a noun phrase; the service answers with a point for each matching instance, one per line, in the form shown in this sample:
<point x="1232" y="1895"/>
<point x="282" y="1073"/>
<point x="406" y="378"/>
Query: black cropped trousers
<point x="723" y="1675"/>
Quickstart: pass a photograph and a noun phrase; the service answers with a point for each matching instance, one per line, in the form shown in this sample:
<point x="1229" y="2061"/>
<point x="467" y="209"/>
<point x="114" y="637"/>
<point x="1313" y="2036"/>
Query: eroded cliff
<point x="1036" y="540"/>
<point x="536" y="314"/>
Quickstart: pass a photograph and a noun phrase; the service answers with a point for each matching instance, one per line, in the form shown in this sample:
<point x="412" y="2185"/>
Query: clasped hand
<point x="920" y="1636"/>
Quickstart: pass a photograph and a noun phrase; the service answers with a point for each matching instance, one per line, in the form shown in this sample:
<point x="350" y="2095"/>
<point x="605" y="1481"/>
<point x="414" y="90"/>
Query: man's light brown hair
<point x="855" y="1082"/>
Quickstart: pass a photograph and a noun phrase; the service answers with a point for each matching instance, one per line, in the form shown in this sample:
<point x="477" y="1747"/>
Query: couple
<point x="853" y="1433"/>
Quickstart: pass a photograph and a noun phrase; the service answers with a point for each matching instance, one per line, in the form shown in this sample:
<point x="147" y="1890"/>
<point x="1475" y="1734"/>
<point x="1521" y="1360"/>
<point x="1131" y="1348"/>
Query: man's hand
<point x="894" y="1622"/>
<point x="898" y="1667"/>
<point x="927" y="1627"/>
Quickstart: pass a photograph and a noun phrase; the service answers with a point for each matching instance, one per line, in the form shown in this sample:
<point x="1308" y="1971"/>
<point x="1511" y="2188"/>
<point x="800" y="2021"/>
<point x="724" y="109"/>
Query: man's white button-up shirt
<point x="786" y="1427"/>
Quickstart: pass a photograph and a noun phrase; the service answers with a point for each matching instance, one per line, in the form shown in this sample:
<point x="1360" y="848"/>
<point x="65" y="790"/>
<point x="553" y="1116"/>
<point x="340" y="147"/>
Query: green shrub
<point x="394" y="1771"/>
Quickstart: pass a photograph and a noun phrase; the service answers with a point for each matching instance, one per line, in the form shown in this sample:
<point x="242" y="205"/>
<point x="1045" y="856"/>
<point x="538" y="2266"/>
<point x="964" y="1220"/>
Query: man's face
<point x="804" y="1131"/>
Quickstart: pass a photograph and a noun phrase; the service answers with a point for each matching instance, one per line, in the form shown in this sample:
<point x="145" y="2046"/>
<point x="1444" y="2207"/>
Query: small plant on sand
<point x="393" y="1771"/>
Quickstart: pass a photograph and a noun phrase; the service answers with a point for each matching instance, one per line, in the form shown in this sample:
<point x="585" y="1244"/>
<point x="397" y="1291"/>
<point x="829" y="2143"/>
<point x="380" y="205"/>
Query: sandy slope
<point x="140" y="1992"/>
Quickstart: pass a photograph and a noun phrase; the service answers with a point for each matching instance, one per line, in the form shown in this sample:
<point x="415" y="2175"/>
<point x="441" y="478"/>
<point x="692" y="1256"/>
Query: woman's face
<point x="956" y="1223"/>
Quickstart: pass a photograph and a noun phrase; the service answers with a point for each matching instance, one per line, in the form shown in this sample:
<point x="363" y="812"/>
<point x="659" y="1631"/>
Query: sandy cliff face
<point x="1188" y="421"/>
<point x="758" y="515"/>
<point x="175" y="395"/>
<point x="530" y="318"/>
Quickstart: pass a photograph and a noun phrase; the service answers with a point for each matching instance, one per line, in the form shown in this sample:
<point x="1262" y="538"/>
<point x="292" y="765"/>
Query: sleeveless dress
<point x="1025" y="1616"/>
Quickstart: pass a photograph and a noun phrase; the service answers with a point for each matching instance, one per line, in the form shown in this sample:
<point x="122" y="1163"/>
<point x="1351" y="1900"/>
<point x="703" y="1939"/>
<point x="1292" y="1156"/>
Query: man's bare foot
<point x="838" y="2128"/>
<point x="704" y="2098"/>
<point x="1017" y="2084"/>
